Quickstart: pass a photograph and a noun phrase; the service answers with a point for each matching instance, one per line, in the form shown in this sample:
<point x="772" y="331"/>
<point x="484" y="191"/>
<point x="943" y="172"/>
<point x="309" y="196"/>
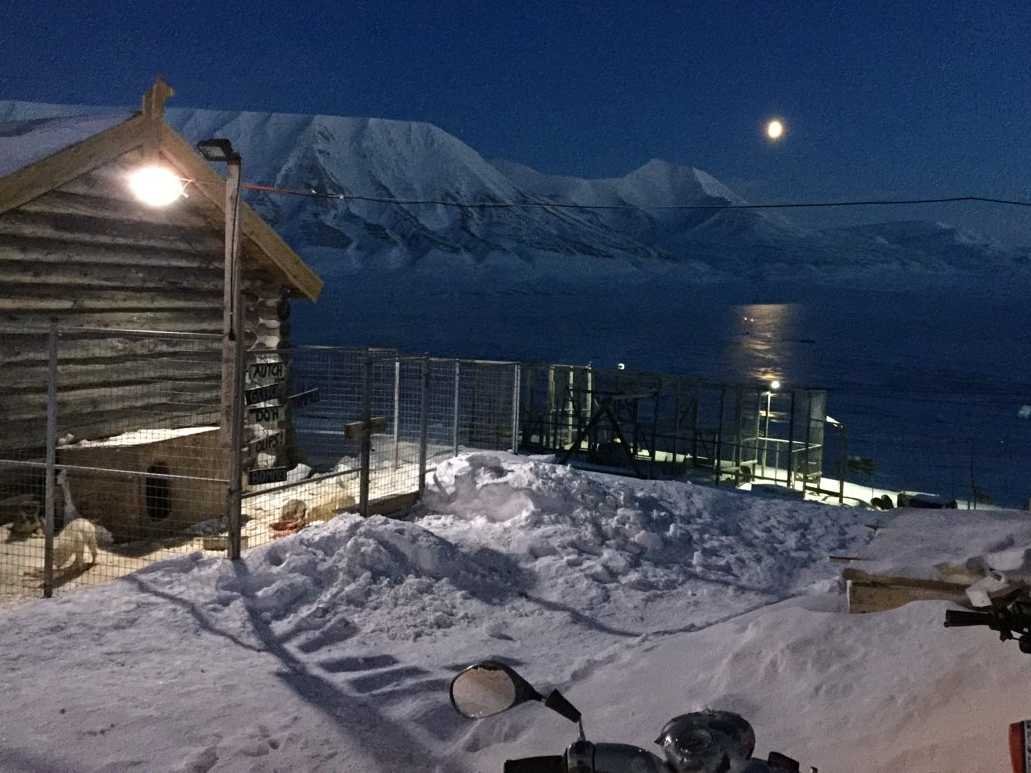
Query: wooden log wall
<point x="87" y="254"/>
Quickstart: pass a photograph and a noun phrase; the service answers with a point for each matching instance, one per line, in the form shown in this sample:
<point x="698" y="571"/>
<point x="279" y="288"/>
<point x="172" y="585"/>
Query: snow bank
<point x="656" y="545"/>
<point x="956" y="545"/>
<point x="891" y="692"/>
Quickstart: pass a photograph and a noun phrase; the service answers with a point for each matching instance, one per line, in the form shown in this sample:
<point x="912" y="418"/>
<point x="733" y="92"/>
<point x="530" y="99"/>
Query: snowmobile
<point x="1009" y="616"/>
<point x="700" y="742"/>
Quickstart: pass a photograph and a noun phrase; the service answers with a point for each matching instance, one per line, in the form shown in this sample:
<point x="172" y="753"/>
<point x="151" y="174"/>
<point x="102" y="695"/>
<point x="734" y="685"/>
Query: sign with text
<point x="266" y="414"/>
<point x="261" y="370"/>
<point x="266" y="475"/>
<point x="268" y="442"/>
<point x="263" y="394"/>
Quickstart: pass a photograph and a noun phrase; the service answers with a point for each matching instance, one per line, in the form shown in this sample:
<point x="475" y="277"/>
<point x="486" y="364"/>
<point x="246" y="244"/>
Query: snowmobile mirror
<point x="489" y="688"/>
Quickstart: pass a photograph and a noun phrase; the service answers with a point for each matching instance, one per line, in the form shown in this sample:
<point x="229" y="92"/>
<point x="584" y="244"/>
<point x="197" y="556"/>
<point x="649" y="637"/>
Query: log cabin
<point x="77" y="248"/>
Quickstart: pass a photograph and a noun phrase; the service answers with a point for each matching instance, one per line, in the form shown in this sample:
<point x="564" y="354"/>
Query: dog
<point x="74" y="540"/>
<point x="22" y="512"/>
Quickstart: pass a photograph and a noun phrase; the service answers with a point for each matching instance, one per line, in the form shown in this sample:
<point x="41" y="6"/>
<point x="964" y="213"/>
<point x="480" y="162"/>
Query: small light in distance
<point x="775" y="129"/>
<point x="774" y="385"/>
<point x="156" y="186"/>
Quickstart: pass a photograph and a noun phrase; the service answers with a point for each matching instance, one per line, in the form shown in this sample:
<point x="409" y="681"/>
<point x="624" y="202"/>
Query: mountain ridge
<point x="636" y="224"/>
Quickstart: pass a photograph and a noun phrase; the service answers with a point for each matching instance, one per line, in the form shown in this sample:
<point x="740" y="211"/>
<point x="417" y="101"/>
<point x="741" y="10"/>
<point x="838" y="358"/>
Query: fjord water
<point x="929" y="383"/>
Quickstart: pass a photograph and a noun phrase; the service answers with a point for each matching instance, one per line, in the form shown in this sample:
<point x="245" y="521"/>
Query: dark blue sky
<point x="882" y="98"/>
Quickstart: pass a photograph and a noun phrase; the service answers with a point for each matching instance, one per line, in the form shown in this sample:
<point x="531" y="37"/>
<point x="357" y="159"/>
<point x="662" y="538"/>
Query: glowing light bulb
<point x="774" y="385"/>
<point x="156" y="186"/>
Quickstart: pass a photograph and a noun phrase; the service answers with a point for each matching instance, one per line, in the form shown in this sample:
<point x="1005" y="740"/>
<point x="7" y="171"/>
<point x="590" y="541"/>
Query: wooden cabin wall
<point x="87" y="254"/>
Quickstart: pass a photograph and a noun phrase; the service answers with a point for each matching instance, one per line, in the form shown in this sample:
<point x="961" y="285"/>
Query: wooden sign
<point x="270" y="441"/>
<point x="263" y="414"/>
<point x="266" y="475"/>
<point x="262" y="394"/>
<point x="356" y="430"/>
<point x="260" y="370"/>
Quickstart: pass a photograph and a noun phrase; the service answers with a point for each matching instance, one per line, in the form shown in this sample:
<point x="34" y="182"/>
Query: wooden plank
<point x="21" y="222"/>
<point x="69" y="250"/>
<point x="865" y="596"/>
<point x="25" y="438"/>
<point x="195" y="320"/>
<point x="22" y="350"/>
<point x="876" y="593"/>
<point x="92" y="201"/>
<point x="131" y="278"/>
<point x="53" y="298"/>
<point x="111" y="372"/>
<point x="131" y="394"/>
<point x="52" y="172"/>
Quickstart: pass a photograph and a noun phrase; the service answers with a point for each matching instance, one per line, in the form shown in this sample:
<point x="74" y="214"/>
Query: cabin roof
<point x="38" y="156"/>
<point x="25" y="142"/>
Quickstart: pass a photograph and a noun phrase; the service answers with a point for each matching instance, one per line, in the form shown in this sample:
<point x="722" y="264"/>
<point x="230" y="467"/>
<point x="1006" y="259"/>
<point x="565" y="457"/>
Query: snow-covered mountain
<point x="536" y="237"/>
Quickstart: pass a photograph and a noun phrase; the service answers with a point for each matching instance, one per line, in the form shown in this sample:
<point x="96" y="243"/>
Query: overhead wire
<point x="548" y="204"/>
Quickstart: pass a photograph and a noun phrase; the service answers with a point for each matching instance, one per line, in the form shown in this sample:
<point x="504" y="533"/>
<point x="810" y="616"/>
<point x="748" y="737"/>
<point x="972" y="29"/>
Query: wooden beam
<point x="54" y="171"/>
<point x="154" y="99"/>
<point x="23" y="223"/>
<point x="877" y="593"/>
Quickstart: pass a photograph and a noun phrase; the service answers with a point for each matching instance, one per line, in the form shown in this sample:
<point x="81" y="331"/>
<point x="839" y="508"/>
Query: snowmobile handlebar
<point x="549" y="764"/>
<point x="1009" y="616"/>
<point x="956" y="618"/>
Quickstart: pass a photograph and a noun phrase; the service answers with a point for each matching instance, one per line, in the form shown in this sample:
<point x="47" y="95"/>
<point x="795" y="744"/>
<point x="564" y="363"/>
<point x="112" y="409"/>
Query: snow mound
<point x="379" y="576"/>
<point x="566" y="525"/>
<point x="959" y="545"/>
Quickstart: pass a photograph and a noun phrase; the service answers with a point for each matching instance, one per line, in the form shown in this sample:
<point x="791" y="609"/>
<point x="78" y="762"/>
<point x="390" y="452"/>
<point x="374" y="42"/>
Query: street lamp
<point x="156" y="186"/>
<point x="774" y="386"/>
<point x="843" y="465"/>
<point x="220" y="151"/>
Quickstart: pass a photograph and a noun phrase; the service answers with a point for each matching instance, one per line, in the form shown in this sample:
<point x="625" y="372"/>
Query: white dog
<point x="73" y="540"/>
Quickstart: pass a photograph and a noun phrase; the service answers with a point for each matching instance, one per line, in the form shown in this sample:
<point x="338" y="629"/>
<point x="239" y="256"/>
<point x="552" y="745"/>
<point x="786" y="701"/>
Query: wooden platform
<point x="878" y="593"/>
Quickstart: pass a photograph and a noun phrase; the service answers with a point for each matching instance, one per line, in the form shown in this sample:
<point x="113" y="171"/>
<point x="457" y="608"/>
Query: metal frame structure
<point x="661" y="425"/>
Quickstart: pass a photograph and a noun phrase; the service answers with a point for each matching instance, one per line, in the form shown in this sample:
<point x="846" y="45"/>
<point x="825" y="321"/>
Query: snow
<point x="140" y="437"/>
<point x="332" y="649"/>
<point x="23" y="142"/>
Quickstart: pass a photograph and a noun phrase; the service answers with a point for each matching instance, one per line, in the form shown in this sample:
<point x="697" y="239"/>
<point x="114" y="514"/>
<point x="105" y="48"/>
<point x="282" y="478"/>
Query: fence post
<point x="791" y="443"/>
<point x="454" y="419"/>
<point x="366" y="441"/>
<point x="51" y="459"/>
<point x="236" y="415"/>
<point x="397" y="413"/>
<point x="516" y="392"/>
<point x="424" y="421"/>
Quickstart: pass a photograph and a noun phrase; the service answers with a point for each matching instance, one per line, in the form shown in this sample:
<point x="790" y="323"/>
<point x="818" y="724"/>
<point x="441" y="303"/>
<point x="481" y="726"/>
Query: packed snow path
<point x="332" y="649"/>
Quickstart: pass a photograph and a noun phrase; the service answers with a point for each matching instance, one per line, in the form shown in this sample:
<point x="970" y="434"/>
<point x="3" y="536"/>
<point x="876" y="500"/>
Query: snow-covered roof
<point x="25" y="142"/>
<point x="41" y="152"/>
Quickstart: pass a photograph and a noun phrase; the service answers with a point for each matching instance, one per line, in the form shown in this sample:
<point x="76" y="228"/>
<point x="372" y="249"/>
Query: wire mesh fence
<point x="130" y="429"/>
<point x="125" y="428"/>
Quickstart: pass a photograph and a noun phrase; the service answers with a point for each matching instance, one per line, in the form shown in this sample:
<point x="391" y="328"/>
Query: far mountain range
<point x="623" y="226"/>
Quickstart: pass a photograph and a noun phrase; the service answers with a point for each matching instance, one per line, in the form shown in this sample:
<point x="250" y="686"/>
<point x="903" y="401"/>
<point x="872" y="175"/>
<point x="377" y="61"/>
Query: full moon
<point x="775" y="129"/>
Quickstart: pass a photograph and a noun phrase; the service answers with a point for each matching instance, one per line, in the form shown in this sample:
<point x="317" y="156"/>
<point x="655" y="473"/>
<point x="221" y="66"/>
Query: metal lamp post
<point x="843" y="464"/>
<point x="221" y="151"/>
<point x="774" y="386"/>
